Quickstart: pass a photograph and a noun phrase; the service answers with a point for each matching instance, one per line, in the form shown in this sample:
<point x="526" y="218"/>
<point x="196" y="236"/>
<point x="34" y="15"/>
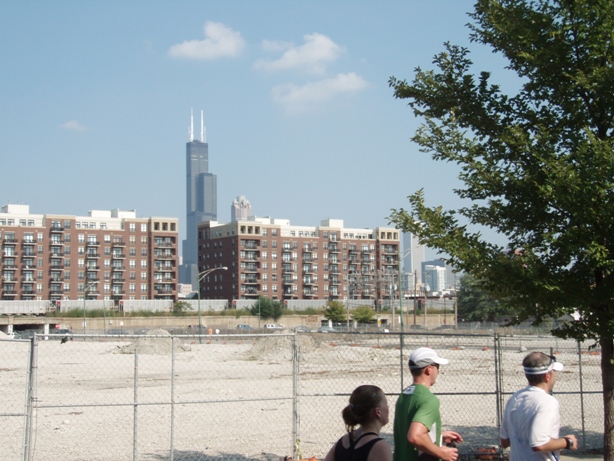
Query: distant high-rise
<point x="413" y="259"/>
<point x="240" y="209"/>
<point x="201" y="199"/>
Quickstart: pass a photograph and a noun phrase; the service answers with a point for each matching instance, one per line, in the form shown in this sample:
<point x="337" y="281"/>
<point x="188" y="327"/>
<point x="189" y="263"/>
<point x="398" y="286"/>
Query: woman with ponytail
<point x="368" y="409"/>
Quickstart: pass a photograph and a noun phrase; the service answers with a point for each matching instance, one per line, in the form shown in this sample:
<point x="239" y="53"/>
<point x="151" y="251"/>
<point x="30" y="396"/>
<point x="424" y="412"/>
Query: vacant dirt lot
<point x="243" y="397"/>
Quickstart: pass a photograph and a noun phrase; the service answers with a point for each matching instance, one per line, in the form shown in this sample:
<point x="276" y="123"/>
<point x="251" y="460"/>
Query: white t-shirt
<point x="531" y="419"/>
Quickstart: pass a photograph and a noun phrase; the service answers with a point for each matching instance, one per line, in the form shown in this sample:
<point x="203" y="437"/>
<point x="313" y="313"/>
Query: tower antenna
<point x="202" y="126"/>
<point x="191" y="124"/>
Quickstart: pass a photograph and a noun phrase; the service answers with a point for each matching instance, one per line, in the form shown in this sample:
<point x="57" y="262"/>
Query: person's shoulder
<point x="380" y="451"/>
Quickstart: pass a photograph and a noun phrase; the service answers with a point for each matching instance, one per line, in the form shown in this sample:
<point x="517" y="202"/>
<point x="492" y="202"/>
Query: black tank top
<point x="355" y="454"/>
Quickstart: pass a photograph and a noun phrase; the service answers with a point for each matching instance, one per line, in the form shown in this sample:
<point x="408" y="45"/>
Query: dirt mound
<point x="155" y="342"/>
<point x="277" y="348"/>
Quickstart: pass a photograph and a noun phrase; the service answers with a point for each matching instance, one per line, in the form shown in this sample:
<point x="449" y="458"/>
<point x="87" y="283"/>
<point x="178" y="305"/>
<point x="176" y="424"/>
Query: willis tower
<point x="201" y="200"/>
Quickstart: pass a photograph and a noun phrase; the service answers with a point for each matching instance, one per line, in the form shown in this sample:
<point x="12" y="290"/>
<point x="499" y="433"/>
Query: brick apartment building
<point x="107" y="255"/>
<point x="269" y="257"/>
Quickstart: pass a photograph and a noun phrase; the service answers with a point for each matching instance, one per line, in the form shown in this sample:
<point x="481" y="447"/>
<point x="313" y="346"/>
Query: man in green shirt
<point x="417" y="421"/>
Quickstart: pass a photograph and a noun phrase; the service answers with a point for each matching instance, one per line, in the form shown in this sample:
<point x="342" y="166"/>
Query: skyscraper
<point x="240" y="209"/>
<point x="413" y="257"/>
<point x="201" y="199"/>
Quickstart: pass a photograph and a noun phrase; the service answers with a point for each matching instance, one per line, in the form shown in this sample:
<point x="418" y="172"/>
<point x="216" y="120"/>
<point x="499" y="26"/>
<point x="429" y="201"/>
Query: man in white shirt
<point x="531" y="420"/>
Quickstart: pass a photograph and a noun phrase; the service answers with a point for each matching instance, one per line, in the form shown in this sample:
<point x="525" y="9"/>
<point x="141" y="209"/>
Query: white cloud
<point x="220" y="41"/>
<point x="296" y="98"/>
<point x="276" y="46"/>
<point x="73" y="125"/>
<point x="317" y="51"/>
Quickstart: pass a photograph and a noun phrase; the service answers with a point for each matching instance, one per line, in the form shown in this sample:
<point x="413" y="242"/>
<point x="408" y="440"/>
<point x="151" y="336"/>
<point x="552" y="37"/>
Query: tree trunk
<point x="607" y="375"/>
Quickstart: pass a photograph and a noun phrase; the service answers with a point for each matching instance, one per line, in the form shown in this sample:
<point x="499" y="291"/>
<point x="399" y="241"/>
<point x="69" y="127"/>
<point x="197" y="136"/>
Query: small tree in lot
<point x="364" y="314"/>
<point x="267" y="308"/>
<point x="181" y="308"/>
<point x="335" y="311"/>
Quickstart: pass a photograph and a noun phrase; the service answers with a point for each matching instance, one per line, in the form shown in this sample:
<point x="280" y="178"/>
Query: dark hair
<point x="364" y="399"/>
<point x="536" y="360"/>
<point x="416" y="371"/>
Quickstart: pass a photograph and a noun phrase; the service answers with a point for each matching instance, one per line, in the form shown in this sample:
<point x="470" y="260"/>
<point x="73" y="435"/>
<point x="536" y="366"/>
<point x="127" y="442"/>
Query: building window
<point x="144" y="264"/>
<point x="143" y="275"/>
<point x="143" y="240"/>
<point x="144" y="287"/>
<point x="132" y="264"/>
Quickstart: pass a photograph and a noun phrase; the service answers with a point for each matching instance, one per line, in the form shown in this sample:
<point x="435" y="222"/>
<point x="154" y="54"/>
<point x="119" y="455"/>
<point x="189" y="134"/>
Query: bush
<point x="335" y="311"/>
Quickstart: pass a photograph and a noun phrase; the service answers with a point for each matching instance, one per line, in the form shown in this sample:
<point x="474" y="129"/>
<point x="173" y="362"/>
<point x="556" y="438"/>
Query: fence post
<point x="401" y="358"/>
<point x="172" y="448"/>
<point x="498" y="381"/>
<point x="296" y="451"/>
<point x="28" y="452"/>
<point x="581" y="394"/>
<point x="136" y="404"/>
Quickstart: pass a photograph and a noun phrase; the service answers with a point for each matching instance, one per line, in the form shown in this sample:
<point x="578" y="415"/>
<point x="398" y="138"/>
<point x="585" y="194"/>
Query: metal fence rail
<point x="258" y="397"/>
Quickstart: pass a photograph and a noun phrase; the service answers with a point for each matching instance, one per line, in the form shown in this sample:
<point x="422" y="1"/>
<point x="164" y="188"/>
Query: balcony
<point x="164" y="256"/>
<point x="92" y="243"/>
<point x="251" y="268"/>
<point x="118" y="293"/>
<point x="92" y="268"/>
<point x="251" y="281"/>
<point x="118" y="256"/>
<point x="118" y="268"/>
<point x="118" y="280"/>
<point x="287" y="270"/>
<point x="56" y="267"/>
<point x="92" y="255"/>
<point x="56" y="255"/>
<point x="56" y="229"/>
<point x="28" y="292"/>
<point x="9" y="266"/>
<point x="119" y="243"/>
<point x="9" y="293"/>
<point x="28" y="242"/>
<point x="10" y="241"/>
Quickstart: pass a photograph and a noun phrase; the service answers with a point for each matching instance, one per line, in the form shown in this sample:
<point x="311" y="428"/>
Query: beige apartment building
<point x="269" y="257"/>
<point x="106" y="255"/>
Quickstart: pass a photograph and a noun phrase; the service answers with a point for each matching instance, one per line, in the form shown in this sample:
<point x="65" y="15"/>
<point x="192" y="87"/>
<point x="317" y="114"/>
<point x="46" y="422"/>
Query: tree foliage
<point x="364" y="314"/>
<point x="475" y="304"/>
<point x="537" y="166"/>
<point x="335" y="311"/>
<point x="267" y="308"/>
<point x="181" y="308"/>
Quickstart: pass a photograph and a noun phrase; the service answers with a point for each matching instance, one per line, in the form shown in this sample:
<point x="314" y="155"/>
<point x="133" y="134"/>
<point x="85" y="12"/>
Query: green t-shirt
<point x="416" y="403"/>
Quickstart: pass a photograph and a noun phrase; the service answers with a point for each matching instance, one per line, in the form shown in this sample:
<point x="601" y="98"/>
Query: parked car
<point x="273" y="326"/>
<point x="326" y="330"/>
<point x="301" y="329"/>
<point x="243" y="328"/>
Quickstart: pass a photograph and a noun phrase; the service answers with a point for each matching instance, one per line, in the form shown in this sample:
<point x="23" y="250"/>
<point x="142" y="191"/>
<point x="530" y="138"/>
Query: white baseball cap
<point x="424" y="356"/>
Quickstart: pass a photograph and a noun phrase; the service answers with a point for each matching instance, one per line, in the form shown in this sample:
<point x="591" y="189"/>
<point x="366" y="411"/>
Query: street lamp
<point x="201" y="276"/>
<point x="85" y="291"/>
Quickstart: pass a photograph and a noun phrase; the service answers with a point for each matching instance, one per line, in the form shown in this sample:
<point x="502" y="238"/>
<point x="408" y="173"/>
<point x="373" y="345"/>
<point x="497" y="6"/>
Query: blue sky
<point x="95" y="102"/>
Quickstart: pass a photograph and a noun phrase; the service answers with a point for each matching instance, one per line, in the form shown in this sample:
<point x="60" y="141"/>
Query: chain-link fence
<point x="258" y="397"/>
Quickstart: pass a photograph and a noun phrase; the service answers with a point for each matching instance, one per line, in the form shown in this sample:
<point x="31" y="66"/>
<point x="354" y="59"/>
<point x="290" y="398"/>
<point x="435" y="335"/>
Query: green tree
<point x="475" y="304"/>
<point x="267" y="308"/>
<point x="181" y="308"/>
<point x="335" y="311"/>
<point x="537" y="165"/>
<point x="364" y="314"/>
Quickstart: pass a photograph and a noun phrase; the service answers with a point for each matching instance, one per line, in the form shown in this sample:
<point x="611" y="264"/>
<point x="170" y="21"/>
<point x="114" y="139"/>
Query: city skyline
<point x="296" y="102"/>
